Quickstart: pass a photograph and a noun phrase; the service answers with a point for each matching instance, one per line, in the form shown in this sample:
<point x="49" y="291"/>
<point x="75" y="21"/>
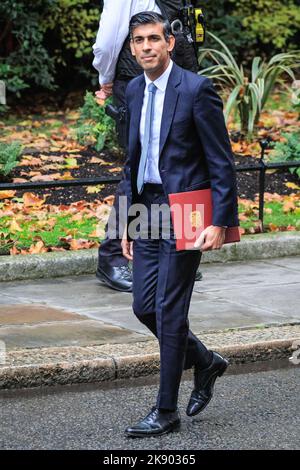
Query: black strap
<point x="162" y="8"/>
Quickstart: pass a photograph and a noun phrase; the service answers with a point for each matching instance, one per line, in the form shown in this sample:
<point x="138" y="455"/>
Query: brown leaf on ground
<point x="30" y="160"/>
<point x="14" y="226"/>
<point x="288" y="206"/>
<point x="31" y="199"/>
<point x="273" y="227"/>
<point x="115" y="170"/>
<point x="66" y="176"/>
<point x="77" y="217"/>
<point x="14" y="251"/>
<point x="95" y="189"/>
<point x="99" y="160"/>
<point x="271" y="197"/>
<point x="109" y="200"/>
<point x="53" y="158"/>
<point x="243" y="217"/>
<point x="19" y="180"/>
<point x="81" y="244"/>
<point x="268" y="210"/>
<point x="5" y="194"/>
<point x="292" y="185"/>
<point x="51" y="177"/>
<point x="37" y="248"/>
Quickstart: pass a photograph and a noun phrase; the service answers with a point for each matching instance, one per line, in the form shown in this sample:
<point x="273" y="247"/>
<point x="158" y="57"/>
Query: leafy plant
<point x="295" y="97"/>
<point x="9" y="156"/>
<point x="95" y="127"/>
<point x="288" y="151"/>
<point x="248" y="93"/>
<point x="75" y="23"/>
<point x="11" y="77"/>
<point x="22" y="43"/>
<point x="271" y="22"/>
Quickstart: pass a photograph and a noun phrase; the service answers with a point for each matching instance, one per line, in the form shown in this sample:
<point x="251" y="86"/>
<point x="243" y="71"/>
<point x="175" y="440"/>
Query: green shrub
<point x="9" y="157"/>
<point x="221" y="19"/>
<point x="44" y="41"/>
<point x="94" y="126"/>
<point x="249" y="91"/>
<point x="295" y="98"/>
<point x="74" y="23"/>
<point x="271" y="22"/>
<point x="21" y="43"/>
<point x="11" y="77"/>
<point x="288" y="151"/>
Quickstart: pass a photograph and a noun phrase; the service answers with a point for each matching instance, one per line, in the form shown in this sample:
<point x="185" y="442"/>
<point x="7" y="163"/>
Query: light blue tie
<point x="147" y="136"/>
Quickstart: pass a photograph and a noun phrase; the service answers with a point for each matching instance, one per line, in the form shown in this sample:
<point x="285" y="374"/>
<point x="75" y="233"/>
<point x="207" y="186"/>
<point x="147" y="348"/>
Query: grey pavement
<point x="79" y="311"/>
<point x="252" y="410"/>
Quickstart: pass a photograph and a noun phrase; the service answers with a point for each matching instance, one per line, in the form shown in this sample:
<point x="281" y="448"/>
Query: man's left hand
<point x="212" y="238"/>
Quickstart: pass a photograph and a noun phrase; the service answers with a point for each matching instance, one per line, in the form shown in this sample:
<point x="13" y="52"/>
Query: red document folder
<point x="191" y="213"/>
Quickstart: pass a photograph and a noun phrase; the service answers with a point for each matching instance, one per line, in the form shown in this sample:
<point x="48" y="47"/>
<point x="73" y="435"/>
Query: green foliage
<point x="95" y="127"/>
<point x="248" y="91"/>
<point x="21" y="43"/>
<point x="74" y="23"/>
<point x="288" y="151"/>
<point x="274" y="215"/>
<point x="49" y="42"/>
<point x="273" y="22"/>
<point x="38" y="37"/>
<point x="51" y="236"/>
<point x="295" y="98"/>
<point x="9" y="157"/>
<point x="11" y="76"/>
<point x="221" y="19"/>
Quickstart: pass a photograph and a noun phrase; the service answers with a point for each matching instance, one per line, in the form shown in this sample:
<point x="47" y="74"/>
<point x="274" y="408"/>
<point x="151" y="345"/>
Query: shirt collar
<point x="162" y="81"/>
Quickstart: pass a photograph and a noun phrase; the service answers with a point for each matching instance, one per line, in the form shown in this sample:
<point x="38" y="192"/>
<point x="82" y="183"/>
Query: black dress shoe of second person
<point x="155" y="423"/>
<point x="116" y="277"/>
<point x="204" y="381"/>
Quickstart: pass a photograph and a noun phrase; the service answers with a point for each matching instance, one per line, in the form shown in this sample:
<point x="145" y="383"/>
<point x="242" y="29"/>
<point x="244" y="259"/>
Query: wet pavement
<point x="254" y="407"/>
<point x="77" y="311"/>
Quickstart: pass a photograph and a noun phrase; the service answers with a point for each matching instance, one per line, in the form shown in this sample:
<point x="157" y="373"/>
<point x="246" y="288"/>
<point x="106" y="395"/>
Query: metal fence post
<point x="262" y="178"/>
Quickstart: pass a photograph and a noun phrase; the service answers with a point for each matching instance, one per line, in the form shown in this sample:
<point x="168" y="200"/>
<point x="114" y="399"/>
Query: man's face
<point x="150" y="47"/>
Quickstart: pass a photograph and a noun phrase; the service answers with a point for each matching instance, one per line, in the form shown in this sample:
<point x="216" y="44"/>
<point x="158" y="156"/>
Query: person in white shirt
<point x="116" y="67"/>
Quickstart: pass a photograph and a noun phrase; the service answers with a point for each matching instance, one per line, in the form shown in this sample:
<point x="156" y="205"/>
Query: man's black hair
<point x="150" y="17"/>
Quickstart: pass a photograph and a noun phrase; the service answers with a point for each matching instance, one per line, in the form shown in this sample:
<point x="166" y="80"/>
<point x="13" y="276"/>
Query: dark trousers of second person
<point x="163" y="281"/>
<point x="110" y="249"/>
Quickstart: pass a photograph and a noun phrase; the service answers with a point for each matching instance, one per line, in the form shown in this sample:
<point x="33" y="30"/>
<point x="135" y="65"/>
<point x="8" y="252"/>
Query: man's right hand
<point x="127" y="247"/>
<point x="105" y="92"/>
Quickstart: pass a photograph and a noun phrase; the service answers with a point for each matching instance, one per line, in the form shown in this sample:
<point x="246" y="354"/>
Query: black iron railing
<point x="261" y="167"/>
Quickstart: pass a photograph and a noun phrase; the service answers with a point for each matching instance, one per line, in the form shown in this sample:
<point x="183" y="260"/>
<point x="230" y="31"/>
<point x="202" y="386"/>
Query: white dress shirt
<point x="151" y="171"/>
<point x="112" y="32"/>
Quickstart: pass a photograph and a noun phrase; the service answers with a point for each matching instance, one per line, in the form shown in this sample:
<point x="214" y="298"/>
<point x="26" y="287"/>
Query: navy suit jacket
<point x="195" y="151"/>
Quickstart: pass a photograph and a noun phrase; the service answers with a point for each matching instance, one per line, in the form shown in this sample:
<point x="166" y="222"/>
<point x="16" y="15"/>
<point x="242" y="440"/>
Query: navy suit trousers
<point x="163" y="281"/>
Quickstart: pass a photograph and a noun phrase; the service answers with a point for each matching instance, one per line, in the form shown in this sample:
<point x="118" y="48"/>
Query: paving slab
<point x="32" y="314"/>
<point x="76" y="333"/>
<point x="239" y="294"/>
<point x="283" y="300"/>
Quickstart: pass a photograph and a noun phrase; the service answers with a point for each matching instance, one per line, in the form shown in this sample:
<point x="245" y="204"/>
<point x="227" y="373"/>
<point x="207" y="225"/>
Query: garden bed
<point x="248" y="182"/>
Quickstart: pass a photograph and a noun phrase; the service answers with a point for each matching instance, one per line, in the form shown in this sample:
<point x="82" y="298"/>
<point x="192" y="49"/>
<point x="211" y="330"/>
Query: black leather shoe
<point x="116" y="277"/>
<point x="155" y="423"/>
<point x="204" y="380"/>
<point x="198" y="276"/>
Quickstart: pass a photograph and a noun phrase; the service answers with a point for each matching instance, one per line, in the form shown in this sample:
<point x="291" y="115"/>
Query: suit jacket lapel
<point x="136" y="112"/>
<point x="170" y="103"/>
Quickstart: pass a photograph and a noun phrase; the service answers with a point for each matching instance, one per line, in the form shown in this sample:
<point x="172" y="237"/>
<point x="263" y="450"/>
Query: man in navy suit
<point x="177" y="142"/>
